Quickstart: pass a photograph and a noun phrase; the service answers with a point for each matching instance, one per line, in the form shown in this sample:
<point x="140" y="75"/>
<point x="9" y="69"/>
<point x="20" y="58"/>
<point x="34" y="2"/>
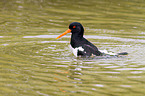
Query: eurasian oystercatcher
<point x="81" y="46"/>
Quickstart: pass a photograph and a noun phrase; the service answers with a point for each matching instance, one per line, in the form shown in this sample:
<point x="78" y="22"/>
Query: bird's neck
<point x="77" y="37"/>
<point x="76" y="40"/>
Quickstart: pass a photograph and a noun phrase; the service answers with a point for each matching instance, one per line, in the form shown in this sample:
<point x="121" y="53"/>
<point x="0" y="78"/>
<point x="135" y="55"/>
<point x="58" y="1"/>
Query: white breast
<point x="75" y="50"/>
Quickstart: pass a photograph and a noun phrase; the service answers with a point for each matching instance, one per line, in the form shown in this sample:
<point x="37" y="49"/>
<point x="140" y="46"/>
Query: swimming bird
<point x="81" y="46"/>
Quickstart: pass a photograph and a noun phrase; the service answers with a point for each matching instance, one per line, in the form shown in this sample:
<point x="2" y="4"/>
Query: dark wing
<point x="88" y="51"/>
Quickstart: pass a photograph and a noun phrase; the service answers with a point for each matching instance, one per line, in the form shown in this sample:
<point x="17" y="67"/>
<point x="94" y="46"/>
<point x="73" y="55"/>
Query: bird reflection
<point x="75" y="71"/>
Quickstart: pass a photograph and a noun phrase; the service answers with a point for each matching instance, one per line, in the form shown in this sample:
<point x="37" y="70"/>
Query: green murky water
<point x="34" y="63"/>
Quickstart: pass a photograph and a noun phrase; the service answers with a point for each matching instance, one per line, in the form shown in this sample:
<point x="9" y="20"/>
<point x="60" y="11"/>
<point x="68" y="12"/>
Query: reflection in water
<point x="75" y="70"/>
<point x="95" y="74"/>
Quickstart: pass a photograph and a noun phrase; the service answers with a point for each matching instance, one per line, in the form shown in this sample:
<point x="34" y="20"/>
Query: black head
<point x="76" y="28"/>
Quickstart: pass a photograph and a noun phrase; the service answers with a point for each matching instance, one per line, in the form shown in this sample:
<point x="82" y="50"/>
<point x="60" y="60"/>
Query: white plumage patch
<point x="107" y="53"/>
<point x="75" y="50"/>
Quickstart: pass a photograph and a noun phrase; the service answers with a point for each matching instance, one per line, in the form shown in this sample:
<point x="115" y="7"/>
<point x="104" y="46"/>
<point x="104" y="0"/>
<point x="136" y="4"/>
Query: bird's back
<point x="84" y="47"/>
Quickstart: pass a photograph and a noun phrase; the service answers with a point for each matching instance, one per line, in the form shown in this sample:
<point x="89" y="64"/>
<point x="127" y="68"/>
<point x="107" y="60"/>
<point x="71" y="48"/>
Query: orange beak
<point x="67" y="31"/>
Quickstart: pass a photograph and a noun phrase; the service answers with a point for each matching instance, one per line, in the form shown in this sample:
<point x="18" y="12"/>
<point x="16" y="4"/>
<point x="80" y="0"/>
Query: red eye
<point x="74" y="26"/>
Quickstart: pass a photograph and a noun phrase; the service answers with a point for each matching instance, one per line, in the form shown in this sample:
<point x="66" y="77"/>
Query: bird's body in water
<point x="81" y="46"/>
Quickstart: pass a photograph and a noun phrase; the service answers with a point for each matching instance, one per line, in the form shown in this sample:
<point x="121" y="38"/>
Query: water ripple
<point x="92" y="37"/>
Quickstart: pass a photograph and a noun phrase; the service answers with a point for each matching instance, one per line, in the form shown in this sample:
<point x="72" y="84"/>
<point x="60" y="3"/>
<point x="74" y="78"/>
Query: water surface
<point x="34" y="63"/>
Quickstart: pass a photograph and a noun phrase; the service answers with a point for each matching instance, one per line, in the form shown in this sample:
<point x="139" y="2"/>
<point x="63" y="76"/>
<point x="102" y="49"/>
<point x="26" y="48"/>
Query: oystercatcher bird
<point x="81" y="46"/>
